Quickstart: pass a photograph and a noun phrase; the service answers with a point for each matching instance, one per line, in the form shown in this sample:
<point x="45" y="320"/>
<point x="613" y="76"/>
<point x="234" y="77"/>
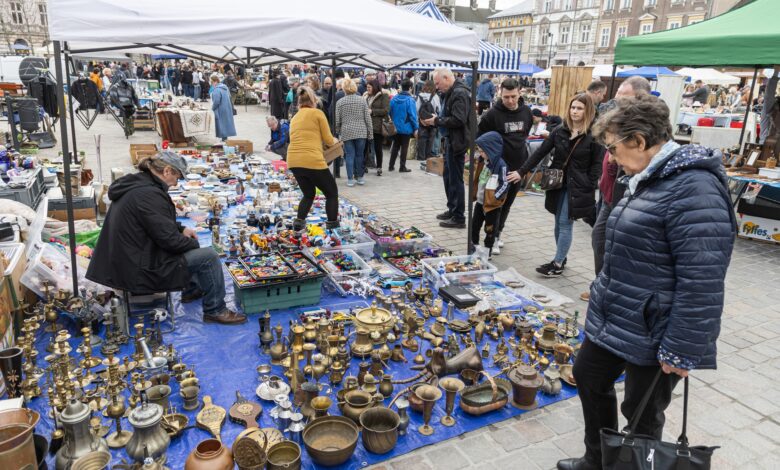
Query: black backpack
<point x="426" y="108"/>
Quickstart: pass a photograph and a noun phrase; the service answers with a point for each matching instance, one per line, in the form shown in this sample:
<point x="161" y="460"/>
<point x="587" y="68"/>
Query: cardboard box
<point x="758" y="228"/>
<point x="435" y="165"/>
<point x="78" y="214"/>
<point x="242" y="146"/>
<point x="141" y="151"/>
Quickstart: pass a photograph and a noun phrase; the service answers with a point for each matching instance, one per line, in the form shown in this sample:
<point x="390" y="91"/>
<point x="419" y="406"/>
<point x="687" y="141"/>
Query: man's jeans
<point x="207" y="275"/>
<point x="354" y="155"/>
<point x="425" y="136"/>
<point x="453" y="184"/>
<point x="564" y="227"/>
<point x="196" y="91"/>
<point x="436" y="148"/>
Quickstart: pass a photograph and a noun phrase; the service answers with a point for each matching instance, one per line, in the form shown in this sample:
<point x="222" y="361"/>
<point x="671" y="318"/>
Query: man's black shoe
<point x="404" y="170"/>
<point x="452" y="223"/>
<point x="226" y="317"/>
<point x="192" y="297"/>
<point x="577" y="464"/>
<point x="444" y="215"/>
<point x="551" y="269"/>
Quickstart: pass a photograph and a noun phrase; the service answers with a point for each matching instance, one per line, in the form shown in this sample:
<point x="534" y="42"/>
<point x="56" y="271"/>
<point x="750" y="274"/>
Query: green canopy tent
<point x="745" y="36"/>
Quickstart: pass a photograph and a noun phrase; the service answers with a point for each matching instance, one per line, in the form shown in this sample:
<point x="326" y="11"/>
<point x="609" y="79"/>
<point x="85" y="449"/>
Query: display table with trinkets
<point x="337" y="379"/>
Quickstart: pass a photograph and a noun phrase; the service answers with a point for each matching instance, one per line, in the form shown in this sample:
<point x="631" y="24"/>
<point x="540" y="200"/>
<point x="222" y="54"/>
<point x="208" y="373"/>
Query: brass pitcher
<point x="278" y="350"/>
<point x="297" y="331"/>
<point x="362" y="346"/>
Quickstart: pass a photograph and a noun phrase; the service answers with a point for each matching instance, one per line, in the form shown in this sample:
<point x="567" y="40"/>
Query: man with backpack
<point x="511" y="118"/>
<point x="428" y="105"/>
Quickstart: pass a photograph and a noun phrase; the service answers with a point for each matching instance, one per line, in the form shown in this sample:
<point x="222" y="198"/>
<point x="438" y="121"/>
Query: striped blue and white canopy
<point x="492" y="58"/>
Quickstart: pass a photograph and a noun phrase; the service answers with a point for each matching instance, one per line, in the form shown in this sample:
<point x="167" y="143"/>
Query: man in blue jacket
<point x="485" y="93"/>
<point x="403" y="111"/>
<point x="280" y="136"/>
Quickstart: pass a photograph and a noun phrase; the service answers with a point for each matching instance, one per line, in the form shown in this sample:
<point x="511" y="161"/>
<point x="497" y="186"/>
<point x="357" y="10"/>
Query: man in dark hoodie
<point x="491" y="188"/>
<point x="456" y="122"/>
<point x="511" y="118"/>
<point x="143" y="250"/>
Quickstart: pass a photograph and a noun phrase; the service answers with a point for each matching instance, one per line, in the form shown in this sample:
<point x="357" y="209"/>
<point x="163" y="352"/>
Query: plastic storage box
<point x="363" y="246"/>
<point x="296" y="292"/>
<point x="389" y="246"/>
<point x="362" y="271"/>
<point x="29" y="195"/>
<point x="432" y="275"/>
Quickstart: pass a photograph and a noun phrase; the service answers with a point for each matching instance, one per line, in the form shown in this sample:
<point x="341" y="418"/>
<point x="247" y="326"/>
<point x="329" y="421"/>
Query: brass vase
<point x="429" y="396"/>
<point x="452" y="387"/>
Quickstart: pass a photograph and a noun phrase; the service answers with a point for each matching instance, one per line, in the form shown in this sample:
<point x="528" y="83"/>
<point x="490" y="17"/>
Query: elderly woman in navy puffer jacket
<point x="658" y="300"/>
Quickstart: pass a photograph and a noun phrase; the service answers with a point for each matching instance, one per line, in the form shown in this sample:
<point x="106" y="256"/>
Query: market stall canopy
<point x="492" y="58"/>
<point x="293" y="29"/>
<point x="746" y="36"/>
<point x="528" y="69"/>
<point x="650" y="73"/>
<point x="546" y="73"/>
<point x="709" y="76"/>
<point x="604" y="70"/>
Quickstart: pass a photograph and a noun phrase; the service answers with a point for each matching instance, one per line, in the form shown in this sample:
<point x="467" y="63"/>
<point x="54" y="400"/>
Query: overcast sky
<point x="500" y="4"/>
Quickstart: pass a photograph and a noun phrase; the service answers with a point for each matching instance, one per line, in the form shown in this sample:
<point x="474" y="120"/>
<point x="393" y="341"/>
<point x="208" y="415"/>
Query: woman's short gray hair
<point x="214" y="77"/>
<point x="271" y="119"/>
<point x="644" y="115"/>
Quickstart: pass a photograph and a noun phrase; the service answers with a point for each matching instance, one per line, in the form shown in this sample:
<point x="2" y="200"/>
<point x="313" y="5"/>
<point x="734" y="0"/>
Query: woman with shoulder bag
<point x="379" y="105"/>
<point x="571" y="180"/>
<point x="655" y="307"/>
<point x="309" y="130"/>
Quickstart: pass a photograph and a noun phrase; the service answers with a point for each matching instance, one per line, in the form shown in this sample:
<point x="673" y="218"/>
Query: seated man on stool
<point x="143" y="250"/>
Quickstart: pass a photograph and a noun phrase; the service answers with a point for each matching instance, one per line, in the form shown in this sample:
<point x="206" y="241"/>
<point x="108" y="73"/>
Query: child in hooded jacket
<point x="491" y="187"/>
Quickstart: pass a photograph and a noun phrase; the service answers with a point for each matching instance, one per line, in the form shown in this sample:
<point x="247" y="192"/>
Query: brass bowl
<point x="330" y="440"/>
<point x="174" y="424"/>
<point x="284" y="455"/>
<point x="380" y="429"/>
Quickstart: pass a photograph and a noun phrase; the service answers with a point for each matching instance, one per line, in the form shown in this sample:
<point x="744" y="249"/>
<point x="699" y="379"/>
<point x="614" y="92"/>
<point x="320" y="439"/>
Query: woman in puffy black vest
<point x="658" y="300"/>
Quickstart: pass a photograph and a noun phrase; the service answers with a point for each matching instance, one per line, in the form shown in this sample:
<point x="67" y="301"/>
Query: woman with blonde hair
<point x="309" y="130"/>
<point x="354" y="128"/>
<point x="579" y="156"/>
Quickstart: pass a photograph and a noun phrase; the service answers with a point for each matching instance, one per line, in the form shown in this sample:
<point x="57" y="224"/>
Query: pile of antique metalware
<point x="530" y="352"/>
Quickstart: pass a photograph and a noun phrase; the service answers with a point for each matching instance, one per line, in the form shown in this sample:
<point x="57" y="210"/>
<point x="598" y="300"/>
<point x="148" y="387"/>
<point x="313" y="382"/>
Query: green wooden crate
<point x="295" y="293"/>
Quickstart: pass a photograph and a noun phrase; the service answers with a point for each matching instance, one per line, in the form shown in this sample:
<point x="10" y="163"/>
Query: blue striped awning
<point x="492" y="58"/>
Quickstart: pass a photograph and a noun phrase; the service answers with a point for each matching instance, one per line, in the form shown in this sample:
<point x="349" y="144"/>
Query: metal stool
<point x="142" y="312"/>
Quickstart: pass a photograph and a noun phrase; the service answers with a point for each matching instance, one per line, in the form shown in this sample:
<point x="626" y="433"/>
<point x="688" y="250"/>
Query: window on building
<point x="16" y="13"/>
<point x="604" y="41"/>
<point x="497" y="39"/>
<point x="585" y="33"/>
<point x="622" y="32"/>
<point x="547" y="6"/>
<point x="609" y="5"/>
<point x="508" y="41"/>
<point x="650" y="3"/>
<point x="44" y="14"/>
<point x="545" y="35"/>
<point x="625" y="4"/>
<point x="565" y="34"/>
<point x="673" y="24"/>
<point x="695" y="19"/>
<point x="566" y="4"/>
<point x="519" y="42"/>
<point x="647" y="28"/>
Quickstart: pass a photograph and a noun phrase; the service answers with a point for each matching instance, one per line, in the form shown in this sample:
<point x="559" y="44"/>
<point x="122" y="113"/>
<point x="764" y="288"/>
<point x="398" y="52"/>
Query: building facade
<point x="511" y="28"/>
<point x="23" y="27"/>
<point x="563" y="32"/>
<point x="474" y="18"/>
<point x="621" y="18"/>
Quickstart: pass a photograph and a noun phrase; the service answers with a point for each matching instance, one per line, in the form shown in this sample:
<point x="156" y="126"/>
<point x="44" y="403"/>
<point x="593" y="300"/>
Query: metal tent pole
<point x="66" y="164"/>
<point x="68" y="65"/>
<point x="612" y="81"/>
<point x="473" y="131"/>
<point x="747" y="108"/>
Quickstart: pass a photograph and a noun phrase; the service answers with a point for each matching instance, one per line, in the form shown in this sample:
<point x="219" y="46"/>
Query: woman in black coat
<point x="576" y="152"/>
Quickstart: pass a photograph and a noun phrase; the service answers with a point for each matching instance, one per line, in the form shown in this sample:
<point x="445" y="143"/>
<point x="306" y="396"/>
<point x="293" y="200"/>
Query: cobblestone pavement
<point x="736" y="407"/>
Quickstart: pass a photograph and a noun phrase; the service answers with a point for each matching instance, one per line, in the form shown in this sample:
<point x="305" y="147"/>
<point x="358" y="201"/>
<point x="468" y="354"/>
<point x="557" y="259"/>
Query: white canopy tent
<point x="709" y="76"/>
<point x="291" y="30"/>
<point x="357" y="32"/>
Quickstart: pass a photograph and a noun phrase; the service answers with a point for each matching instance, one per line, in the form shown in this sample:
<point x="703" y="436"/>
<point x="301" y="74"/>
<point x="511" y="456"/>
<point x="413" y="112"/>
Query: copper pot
<point x="525" y="381"/>
<point x="210" y="455"/>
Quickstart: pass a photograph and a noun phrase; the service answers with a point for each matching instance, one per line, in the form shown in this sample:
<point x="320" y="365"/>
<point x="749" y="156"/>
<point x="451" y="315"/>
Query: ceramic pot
<point x="210" y="455"/>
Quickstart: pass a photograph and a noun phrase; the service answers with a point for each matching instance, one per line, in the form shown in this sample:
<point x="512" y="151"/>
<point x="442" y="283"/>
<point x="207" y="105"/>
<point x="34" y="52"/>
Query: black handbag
<point x="552" y="178"/>
<point x="630" y="451"/>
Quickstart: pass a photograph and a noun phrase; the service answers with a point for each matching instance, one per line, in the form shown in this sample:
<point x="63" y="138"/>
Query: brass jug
<point x="362" y="346"/>
<point x="548" y="339"/>
<point x="297" y="332"/>
<point x="279" y="350"/>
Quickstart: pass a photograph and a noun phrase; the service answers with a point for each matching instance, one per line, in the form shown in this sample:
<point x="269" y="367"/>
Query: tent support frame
<point x="747" y="108"/>
<point x="472" y="146"/>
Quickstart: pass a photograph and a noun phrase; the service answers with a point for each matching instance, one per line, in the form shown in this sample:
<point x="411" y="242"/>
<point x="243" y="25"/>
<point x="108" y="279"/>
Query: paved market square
<point x="736" y="406"/>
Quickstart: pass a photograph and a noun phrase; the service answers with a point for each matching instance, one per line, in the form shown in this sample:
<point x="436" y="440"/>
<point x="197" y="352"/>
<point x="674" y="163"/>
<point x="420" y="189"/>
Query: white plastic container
<point x="364" y="246"/>
<point x="434" y="277"/>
